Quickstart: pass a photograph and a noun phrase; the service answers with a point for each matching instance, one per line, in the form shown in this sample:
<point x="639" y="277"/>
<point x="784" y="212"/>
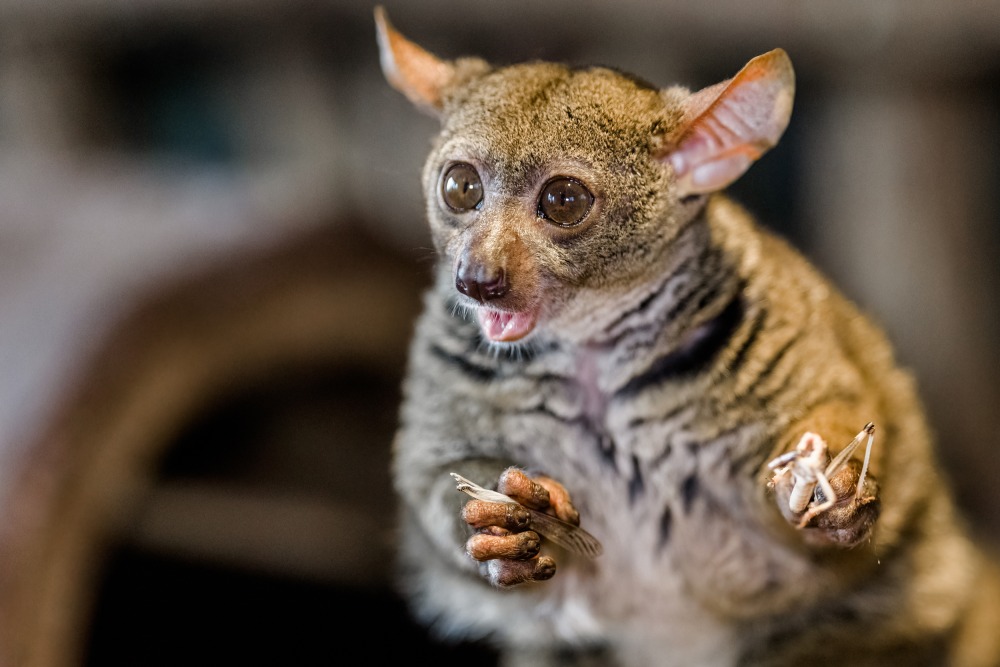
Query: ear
<point x="419" y="75"/>
<point x="726" y="127"/>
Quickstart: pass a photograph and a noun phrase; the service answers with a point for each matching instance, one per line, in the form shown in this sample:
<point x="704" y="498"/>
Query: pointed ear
<point x="419" y="75"/>
<point x="726" y="127"/>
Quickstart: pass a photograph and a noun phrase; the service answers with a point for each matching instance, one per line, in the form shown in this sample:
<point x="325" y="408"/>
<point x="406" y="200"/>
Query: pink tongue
<point x="506" y="327"/>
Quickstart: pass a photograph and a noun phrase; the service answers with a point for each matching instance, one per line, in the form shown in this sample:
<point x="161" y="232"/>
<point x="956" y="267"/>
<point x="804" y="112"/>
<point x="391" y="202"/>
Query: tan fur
<point x="677" y="347"/>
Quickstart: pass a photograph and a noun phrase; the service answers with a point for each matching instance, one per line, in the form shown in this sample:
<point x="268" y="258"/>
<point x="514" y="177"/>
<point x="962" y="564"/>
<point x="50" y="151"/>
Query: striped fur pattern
<point x="678" y="348"/>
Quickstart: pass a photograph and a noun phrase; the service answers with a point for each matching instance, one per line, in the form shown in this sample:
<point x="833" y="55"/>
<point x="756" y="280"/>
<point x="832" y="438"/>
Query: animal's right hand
<point x="504" y="539"/>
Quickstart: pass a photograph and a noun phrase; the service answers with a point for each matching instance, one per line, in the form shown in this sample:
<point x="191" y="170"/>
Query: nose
<point x="480" y="282"/>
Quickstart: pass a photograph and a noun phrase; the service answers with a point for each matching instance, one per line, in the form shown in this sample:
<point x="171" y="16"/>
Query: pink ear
<point x="413" y="71"/>
<point x="726" y="127"/>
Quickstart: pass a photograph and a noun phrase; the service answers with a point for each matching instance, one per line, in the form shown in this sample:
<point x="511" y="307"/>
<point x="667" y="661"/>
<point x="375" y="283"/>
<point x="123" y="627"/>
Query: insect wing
<point x="470" y="488"/>
<point x="570" y="537"/>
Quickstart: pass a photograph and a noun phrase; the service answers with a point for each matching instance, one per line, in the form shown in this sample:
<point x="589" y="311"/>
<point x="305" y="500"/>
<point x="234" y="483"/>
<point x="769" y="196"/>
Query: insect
<point x="566" y="535"/>
<point x="807" y="464"/>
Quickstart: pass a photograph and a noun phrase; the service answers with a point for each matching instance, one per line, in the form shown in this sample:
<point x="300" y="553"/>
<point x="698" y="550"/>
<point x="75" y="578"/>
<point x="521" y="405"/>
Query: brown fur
<point x="676" y="348"/>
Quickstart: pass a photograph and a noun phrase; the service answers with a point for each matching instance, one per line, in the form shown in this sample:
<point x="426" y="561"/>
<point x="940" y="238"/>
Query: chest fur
<point x="660" y="476"/>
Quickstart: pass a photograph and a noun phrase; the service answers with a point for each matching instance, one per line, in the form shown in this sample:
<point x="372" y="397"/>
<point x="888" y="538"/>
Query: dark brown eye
<point x="461" y="188"/>
<point x="565" y="202"/>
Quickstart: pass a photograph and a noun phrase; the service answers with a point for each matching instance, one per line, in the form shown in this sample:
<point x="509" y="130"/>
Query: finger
<point x="559" y="500"/>
<point x="517" y="546"/>
<point x="479" y="513"/>
<point x="516" y="484"/>
<point x="504" y="573"/>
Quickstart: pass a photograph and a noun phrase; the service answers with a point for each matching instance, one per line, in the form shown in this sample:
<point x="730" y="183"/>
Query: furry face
<point x="554" y="214"/>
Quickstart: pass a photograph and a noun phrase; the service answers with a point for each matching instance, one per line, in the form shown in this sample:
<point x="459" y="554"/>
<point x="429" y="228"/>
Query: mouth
<point x="501" y="326"/>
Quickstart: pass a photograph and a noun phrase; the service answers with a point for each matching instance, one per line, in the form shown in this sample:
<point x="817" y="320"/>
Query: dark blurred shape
<point x="193" y="613"/>
<point x="164" y="98"/>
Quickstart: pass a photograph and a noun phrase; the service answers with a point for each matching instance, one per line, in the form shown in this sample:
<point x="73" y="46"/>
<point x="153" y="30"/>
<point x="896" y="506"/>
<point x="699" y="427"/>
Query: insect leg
<point x="868" y="452"/>
<point x="845" y="454"/>
<point x="830" y="497"/>
<point x="784" y="459"/>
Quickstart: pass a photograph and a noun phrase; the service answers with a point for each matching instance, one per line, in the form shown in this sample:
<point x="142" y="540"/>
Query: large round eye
<point x="461" y="188"/>
<point x="565" y="201"/>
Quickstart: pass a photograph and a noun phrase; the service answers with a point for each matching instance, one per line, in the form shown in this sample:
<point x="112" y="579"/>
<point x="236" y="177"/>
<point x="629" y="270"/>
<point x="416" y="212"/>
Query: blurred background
<point x="212" y="250"/>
